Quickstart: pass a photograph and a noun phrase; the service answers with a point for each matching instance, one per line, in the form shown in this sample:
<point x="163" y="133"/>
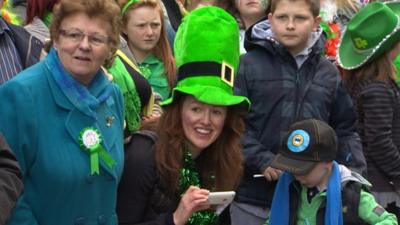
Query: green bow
<point x="90" y="141"/>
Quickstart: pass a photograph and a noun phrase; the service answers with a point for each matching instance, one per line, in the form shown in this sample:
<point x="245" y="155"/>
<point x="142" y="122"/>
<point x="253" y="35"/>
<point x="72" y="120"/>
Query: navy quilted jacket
<point x="282" y="93"/>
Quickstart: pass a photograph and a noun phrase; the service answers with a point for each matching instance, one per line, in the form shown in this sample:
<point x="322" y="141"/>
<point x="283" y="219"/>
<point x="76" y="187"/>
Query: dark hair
<point x="313" y="4"/>
<point x="381" y="69"/>
<point x="222" y="159"/>
<point x="38" y="8"/>
<point x="107" y="10"/>
<point x="162" y="50"/>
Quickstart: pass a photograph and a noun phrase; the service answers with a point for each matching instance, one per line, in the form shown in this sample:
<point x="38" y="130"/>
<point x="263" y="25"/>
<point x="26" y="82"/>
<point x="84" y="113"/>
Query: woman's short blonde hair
<point x="107" y="10"/>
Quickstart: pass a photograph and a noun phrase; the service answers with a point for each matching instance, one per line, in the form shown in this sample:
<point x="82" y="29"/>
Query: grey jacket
<point x="10" y="180"/>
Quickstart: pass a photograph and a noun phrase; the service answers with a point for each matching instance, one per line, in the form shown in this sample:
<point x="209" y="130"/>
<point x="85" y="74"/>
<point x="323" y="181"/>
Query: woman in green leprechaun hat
<point x="196" y="150"/>
<point x="367" y="49"/>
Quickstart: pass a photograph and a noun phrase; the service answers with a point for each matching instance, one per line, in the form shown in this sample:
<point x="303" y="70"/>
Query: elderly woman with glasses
<point x="64" y="120"/>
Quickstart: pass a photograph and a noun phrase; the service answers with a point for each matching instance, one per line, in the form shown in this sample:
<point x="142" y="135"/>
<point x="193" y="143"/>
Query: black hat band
<point x="192" y="69"/>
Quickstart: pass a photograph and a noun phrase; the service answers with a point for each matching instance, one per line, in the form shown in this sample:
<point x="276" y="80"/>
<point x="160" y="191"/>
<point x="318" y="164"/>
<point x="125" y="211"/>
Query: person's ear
<point x="317" y="21"/>
<point x="269" y="16"/>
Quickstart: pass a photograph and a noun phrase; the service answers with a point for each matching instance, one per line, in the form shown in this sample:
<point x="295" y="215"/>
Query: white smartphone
<point x="219" y="198"/>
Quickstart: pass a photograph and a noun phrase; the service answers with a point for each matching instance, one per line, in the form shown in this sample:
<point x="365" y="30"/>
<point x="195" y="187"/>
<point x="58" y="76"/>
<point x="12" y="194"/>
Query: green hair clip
<point x="127" y="5"/>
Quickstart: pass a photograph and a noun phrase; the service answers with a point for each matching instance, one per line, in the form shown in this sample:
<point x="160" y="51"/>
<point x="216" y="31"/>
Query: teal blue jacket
<point x="42" y="127"/>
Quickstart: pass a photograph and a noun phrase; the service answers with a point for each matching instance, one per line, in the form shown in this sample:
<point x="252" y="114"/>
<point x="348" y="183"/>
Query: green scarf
<point x="190" y="176"/>
<point x="132" y="104"/>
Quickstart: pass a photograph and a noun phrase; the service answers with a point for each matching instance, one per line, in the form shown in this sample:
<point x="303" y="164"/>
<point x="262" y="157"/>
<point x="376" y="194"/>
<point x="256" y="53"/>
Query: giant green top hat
<point x="207" y="55"/>
<point x="372" y="31"/>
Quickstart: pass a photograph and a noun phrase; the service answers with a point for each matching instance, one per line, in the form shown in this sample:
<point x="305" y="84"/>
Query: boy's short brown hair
<point x="314" y="5"/>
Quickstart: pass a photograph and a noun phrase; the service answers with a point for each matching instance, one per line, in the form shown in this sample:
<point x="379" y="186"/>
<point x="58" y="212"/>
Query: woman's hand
<point x="194" y="199"/>
<point x="150" y="119"/>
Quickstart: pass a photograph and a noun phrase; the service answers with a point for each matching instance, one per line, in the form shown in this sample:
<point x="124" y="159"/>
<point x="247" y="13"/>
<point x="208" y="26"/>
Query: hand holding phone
<point x="219" y="198"/>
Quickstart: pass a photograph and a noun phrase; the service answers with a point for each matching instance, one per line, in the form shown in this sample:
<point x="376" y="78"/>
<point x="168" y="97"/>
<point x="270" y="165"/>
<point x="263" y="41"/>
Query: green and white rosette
<point x="90" y="141"/>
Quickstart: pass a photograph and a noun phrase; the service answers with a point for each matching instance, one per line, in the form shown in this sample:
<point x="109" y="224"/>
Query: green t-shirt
<point x="153" y="69"/>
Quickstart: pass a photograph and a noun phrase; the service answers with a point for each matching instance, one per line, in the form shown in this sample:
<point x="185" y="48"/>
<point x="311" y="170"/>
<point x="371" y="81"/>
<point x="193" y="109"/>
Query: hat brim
<point x="347" y="56"/>
<point x="296" y="167"/>
<point x="394" y="6"/>
<point x="210" y="95"/>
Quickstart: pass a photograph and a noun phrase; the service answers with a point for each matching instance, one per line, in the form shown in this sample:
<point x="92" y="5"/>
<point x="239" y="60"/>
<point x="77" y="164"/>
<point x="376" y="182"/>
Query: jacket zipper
<point x="297" y="96"/>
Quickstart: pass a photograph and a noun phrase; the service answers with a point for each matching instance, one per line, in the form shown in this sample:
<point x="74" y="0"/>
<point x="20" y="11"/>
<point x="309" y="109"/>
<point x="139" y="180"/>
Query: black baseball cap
<point x="306" y="143"/>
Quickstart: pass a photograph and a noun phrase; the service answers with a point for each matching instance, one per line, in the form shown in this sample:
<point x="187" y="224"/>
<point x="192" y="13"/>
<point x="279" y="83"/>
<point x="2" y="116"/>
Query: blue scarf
<point x="85" y="99"/>
<point x="279" y="214"/>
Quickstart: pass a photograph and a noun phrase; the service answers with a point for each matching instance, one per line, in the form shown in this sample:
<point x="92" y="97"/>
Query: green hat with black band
<point x="372" y="31"/>
<point x="207" y="56"/>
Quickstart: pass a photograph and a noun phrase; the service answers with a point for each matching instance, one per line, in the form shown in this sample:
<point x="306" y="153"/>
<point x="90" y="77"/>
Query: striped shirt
<point x="10" y="63"/>
<point x="378" y="107"/>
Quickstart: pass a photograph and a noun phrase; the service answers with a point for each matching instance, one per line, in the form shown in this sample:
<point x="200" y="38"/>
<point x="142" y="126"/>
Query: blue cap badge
<point x="298" y="141"/>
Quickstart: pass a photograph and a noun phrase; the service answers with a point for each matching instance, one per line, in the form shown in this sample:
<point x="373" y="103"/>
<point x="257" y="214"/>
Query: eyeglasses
<point x="76" y="36"/>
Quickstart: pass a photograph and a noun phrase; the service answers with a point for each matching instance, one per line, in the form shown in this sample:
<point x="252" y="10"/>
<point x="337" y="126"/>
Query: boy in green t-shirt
<point x="316" y="190"/>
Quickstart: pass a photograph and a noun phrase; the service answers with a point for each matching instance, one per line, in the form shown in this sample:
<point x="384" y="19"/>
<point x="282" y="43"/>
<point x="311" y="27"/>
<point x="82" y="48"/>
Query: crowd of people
<point x="137" y="111"/>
